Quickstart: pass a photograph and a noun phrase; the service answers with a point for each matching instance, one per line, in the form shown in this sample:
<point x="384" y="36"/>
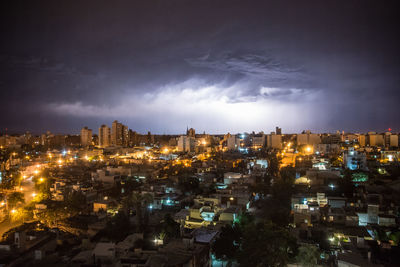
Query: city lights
<point x="200" y="133"/>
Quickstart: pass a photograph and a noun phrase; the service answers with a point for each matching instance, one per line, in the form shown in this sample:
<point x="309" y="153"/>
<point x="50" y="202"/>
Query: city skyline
<point x="226" y="67"/>
<point x="96" y="128"/>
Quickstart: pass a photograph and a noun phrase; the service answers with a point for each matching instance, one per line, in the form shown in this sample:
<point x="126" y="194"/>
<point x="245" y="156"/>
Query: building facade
<point x="104" y="136"/>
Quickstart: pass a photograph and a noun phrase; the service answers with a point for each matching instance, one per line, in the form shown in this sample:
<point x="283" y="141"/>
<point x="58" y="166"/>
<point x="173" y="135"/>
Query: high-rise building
<point x="86" y="136"/>
<point x="394" y="140"/>
<point x="233" y="142"/>
<point x="391" y="140"/>
<point x="119" y="134"/>
<point x="104" y="136"/>
<point x="274" y="140"/>
<point x="376" y="139"/>
<point x="278" y="130"/>
<point x="308" y="138"/>
<point x="362" y="141"/>
<point x="186" y="144"/>
<point x="258" y="140"/>
<point x="133" y="138"/>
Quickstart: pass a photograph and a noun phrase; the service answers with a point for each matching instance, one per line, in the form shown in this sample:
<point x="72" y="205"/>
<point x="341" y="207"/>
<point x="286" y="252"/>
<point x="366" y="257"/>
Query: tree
<point x="75" y="201"/>
<point x="265" y="244"/>
<point x="14" y="199"/>
<point x="345" y="184"/>
<point x="137" y="201"/>
<point x="273" y="165"/>
<point x="227" y="245"/>
<point x="308" y="256"/>
<point x="43" y="184"/>
<point x="189" y="184"/>
<point x="255" y="244"/>
<point x="263" y="185"/>
<point x="21" y="214"/>
<point x="277" y="208"/>
<point x="169" y="227"/>
<point x="118" y="227"/>
<point x="53" y="215"/>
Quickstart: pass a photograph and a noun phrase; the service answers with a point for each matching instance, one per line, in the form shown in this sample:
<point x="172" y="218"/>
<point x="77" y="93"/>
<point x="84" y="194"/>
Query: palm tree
<point x="147" y="199"/>
<point x="137" y="201"/>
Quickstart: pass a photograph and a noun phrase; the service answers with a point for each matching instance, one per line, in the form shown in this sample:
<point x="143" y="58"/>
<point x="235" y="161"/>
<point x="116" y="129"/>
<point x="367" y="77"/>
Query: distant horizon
<point x="95" y="132"/>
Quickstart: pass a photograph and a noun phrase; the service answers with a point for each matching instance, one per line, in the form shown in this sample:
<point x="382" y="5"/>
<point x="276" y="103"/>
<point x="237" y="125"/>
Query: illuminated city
<point x="199" y="133"/>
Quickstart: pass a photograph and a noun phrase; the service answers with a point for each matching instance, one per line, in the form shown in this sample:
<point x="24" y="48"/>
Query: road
<point x="7" y="225"/>
<point x="28" y="188"/>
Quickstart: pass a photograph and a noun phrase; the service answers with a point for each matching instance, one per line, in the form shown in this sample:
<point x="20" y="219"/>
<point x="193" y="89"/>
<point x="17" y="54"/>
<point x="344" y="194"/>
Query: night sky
<point x="217" y="66"/>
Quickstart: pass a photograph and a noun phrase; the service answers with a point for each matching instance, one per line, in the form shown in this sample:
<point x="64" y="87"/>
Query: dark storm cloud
<point x="258" y="70"/>
<point x="330" y="65"/>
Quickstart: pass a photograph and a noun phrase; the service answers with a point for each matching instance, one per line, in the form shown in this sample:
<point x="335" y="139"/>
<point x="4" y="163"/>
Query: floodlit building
<point x="362" y="140"/>
<point x="327" y="148"/>
<point x="119" y="134"/>
<point x="354" y="160"/>
<point x="308" y="138"/>
<point x="391" y="140"/>
<point x="375" y="139"/>
<point x="86" y="136"/>
<point x="274" y="140"/>
<point x="104" y="136"/>
<point x="258" y="140"/>
<point x="233" y="142"/>
<point x="186" y="144"/>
